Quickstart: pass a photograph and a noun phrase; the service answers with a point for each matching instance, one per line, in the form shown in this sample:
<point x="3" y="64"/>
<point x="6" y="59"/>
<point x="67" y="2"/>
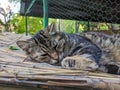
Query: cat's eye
<point x="44" y="54"/>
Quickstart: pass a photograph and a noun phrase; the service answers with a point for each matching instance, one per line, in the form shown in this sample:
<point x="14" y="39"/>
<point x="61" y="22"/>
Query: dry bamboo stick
<point x="58" y="78"/>
<point x="21" y="82"/>
<point x="34" y="71"/>
<point x="37" y="77"/>
<point x="11" y="52"/>
<point x="27" y="83"/>
<point x="95" y="85"/>
<point x="7" y="39"/>
<point x="61" y="70"/>
<point x="70" y="84"/>
<point x="38" y="70"/>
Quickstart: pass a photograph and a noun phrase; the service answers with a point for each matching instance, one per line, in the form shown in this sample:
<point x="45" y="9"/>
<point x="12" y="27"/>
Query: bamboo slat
<point x="11" y="52"/>
<point x="37" y="75"/>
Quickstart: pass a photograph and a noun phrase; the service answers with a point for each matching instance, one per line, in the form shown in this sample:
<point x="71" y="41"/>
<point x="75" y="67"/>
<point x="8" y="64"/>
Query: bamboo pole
<point x="12" y="53"/>
<point x="58" y="77"/>
<point x="70" y="84"/>
<point x="91" y="84"/>
<point x="53" y="71"/>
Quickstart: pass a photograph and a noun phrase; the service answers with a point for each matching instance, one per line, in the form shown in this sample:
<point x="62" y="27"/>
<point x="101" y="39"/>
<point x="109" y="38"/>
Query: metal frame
<point x="45" y="14"/>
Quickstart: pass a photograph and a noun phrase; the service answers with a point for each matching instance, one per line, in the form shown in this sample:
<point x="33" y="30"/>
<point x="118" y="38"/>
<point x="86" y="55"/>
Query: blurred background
<point x="12" y="21"/>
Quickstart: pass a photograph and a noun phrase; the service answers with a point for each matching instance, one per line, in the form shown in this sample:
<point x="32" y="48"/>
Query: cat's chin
<point x="53" y="62"/>
<point x="54" y="55"/>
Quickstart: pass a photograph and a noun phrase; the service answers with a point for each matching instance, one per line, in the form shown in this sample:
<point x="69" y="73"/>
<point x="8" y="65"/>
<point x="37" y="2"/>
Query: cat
<point x="110" y="44"/>
<point x="71" y="51"/>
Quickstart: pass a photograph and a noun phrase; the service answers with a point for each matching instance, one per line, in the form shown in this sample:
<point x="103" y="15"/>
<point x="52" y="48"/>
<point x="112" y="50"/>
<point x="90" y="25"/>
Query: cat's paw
<point x="79" y="62"/>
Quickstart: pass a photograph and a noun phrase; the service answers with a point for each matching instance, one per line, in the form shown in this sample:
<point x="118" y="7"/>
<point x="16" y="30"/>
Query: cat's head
<point x="34" y="51"/>
<point x="48" y="40"/>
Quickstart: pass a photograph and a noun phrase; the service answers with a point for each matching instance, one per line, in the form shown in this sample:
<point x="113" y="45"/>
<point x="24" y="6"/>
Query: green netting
<point x="87" y="10"/>
<point x="90" y="14"/>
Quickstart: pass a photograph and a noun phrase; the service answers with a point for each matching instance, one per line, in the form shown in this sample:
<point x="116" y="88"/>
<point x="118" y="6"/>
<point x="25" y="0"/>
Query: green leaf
<point x="13" y="48"/>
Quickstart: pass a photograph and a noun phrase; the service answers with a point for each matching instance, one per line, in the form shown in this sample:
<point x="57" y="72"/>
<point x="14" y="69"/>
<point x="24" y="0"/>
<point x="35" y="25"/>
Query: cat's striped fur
<point x="110" y="45"/>
<point x="74" y="51"/>
<point x="62" y="48"/>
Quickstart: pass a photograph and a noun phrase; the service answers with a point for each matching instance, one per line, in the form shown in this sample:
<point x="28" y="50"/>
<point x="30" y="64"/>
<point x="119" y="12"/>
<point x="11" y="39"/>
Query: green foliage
<point x="83" y="26"/>
<point x="52" y="20"/>
<point x="67" y="26"/>
<point x="13" y="48"/>
<point x="18" y="24"/>
<point x="103" y="26"/>
<point x="98" y="26"/>
<point x="34" y="24"/>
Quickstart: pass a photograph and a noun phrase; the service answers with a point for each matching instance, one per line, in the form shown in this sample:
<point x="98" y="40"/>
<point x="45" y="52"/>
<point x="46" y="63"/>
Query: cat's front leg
<point x="79" y="62"/>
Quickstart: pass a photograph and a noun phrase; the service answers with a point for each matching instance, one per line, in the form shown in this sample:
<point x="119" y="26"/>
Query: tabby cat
<point x="110" y="46"/>
<point x="71" y="51"/>
<point x="74" y="51"/>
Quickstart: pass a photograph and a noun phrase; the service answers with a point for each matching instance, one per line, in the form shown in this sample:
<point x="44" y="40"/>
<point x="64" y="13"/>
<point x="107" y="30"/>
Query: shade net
<point x="101" y="11"/>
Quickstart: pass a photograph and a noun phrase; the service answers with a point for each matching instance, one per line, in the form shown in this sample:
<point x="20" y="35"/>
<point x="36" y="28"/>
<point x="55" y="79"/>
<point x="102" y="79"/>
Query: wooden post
<point x="26" y="26"/>
<point x="27" y="11"/>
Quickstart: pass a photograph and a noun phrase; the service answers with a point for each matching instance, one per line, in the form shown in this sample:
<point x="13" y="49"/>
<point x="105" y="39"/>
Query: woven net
<point x="83" y="14"/>
<point x="90" y="14"/>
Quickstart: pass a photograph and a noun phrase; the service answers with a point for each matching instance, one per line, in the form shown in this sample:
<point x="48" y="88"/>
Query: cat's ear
<point x="50" y="29"/>
<point x="22" y="44"/>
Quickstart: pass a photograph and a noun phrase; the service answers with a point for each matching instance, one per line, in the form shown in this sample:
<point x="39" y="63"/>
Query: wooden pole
<point x="26" y="25"/>
<point x="27" y="11"/>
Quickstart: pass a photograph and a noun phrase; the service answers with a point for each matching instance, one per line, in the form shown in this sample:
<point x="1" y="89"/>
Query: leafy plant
<point x="13" y="48"/>
<point x="18" y="24"/>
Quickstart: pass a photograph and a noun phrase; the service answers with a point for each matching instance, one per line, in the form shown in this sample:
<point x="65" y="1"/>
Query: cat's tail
<point x="111" y="68"/>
